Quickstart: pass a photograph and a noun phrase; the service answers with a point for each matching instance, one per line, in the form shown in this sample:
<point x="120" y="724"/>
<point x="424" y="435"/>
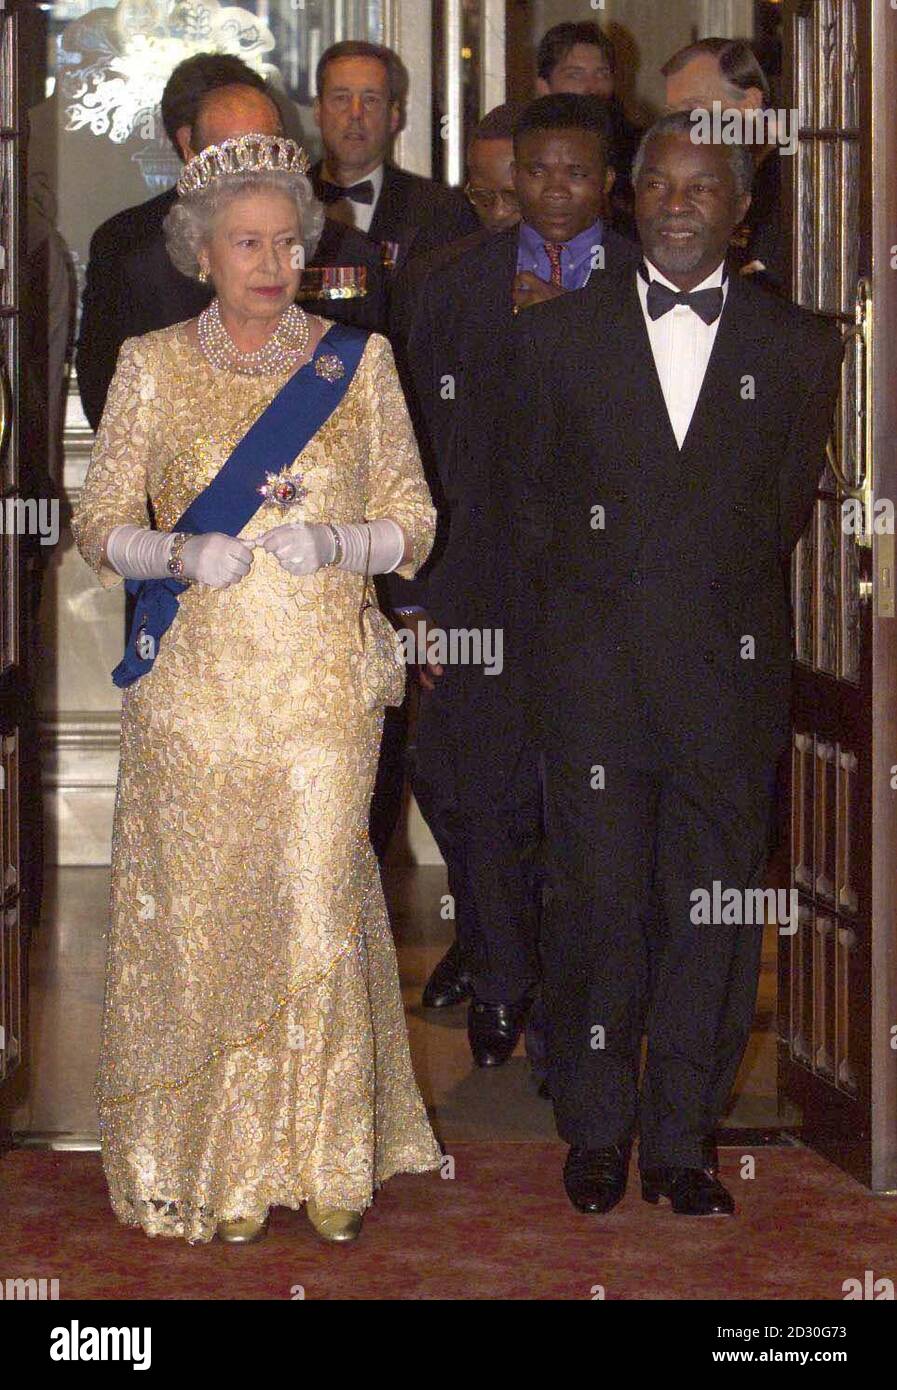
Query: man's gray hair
<point x="682" y="123"/>
<point x="189" y="223"/>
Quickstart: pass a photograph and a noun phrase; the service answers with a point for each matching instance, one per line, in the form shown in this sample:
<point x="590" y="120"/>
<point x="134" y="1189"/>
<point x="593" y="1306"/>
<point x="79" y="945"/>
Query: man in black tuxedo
<point x="674" y="433"/>
<point x="132" y="286"/>
<point x="359" y="107"/>
<point x="473" y="756"/>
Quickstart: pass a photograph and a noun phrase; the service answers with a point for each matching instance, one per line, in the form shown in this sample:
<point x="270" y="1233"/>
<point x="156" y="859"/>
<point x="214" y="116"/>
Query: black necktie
<point x="707" y="304"/>
<point x="359" y="192"/>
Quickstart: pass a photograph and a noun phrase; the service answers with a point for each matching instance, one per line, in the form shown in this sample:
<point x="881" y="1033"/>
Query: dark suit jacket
<point x="408" y="282"/>
<point x="766" y="233"/>
<point x="132" y="288"/>
<point x="457" y="356"/>
<point x="408" y="203"/>
<point x="693" y="555"/>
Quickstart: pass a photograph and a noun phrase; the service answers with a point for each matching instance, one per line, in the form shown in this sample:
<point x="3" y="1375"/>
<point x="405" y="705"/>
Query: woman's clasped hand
<point x="220" y="560"/>
<point x="301" y="547"/>
<point x="216" y="559"/>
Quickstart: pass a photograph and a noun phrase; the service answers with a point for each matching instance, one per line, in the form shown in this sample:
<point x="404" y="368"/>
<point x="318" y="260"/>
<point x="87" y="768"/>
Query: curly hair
<point x="189" y="223"/>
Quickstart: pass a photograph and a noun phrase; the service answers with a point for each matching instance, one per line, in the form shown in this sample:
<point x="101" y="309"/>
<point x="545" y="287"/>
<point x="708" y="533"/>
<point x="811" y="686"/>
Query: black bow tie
<point x="359" y="192"/>
<point x="707" y="304"/>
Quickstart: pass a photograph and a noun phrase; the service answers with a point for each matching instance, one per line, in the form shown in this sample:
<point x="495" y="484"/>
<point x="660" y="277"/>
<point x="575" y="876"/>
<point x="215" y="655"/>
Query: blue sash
<point x="278" y="436"/>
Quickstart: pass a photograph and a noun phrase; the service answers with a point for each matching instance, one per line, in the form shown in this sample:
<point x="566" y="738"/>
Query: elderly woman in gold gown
<point x="254" y="1049"/>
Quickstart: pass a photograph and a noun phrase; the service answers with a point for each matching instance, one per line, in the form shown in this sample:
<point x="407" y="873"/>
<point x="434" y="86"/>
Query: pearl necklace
<point x="287" y="344"/>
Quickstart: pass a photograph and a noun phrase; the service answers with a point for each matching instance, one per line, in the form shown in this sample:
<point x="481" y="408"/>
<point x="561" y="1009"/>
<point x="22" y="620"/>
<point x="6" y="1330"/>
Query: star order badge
<point x="285" y="489"/>
<point x="330" y="367"/>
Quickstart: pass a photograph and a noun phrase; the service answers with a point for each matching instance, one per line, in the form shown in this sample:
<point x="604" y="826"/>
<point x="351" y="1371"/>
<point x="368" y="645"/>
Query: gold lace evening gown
<point x="254" y="1048"/>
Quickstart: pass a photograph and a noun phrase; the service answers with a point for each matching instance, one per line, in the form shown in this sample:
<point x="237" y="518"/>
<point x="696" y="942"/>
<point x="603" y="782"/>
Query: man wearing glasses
<point x="490" y="173"/>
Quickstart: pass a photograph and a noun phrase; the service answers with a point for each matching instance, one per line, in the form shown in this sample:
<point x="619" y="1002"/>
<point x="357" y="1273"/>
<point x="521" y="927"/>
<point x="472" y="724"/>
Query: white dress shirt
<point x="363" y="213"/>
<point x="681" y="343"/>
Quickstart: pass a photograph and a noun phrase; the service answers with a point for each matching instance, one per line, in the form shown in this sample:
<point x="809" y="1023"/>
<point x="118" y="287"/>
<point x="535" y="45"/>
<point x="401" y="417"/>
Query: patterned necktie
<point x="359" y="192"/>
<point x="553" y="251"/>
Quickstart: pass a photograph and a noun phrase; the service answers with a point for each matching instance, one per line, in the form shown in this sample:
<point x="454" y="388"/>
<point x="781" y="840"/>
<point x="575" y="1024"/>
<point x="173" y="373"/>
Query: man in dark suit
<point x="359" y="108"/>
<point x="132" y="286"/>
<point x="473" y="755"/>
<point x="675" y="429"/>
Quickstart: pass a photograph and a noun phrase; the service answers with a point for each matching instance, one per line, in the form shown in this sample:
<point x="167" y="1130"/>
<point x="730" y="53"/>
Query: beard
<point x="671" y="259"/>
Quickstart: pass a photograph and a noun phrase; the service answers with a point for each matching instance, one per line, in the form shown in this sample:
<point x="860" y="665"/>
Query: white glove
<point x="301" y="547"/>
<point x="304" y="546"/>
<point x="216" y="559"/>
<point x="138" y="552"/>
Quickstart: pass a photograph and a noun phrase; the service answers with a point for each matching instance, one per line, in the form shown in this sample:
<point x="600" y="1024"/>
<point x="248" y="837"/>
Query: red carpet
<point x="501" y="1228"/>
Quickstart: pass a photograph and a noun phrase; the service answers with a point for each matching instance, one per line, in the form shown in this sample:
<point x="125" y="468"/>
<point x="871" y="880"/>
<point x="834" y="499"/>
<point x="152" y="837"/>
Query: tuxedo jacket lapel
<point x="728" y="362"/>
<point x="709" y="434"/>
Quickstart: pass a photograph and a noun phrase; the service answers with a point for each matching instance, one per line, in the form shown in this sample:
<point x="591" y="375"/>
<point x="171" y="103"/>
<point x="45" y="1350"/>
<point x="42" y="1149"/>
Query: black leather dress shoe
<point x="493" y="1030"/>
<point x="690" y="1191"/>
<point x="595" y="1179"/>
<point x="449" y="984"/>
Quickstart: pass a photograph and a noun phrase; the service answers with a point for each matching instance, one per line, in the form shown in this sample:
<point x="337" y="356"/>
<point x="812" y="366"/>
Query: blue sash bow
<point x="278" y="436"/>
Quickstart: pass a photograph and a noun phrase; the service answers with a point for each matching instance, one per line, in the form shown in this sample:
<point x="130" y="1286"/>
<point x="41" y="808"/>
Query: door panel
<point x="828" y="977"/>
<point x="13" y="682"/>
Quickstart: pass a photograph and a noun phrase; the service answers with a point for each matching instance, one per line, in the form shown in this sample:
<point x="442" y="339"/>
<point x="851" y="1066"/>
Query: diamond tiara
<point x="242" y="154"/>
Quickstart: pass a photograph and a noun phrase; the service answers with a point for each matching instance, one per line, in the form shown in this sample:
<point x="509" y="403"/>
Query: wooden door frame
<point x="884" y="629"/>
<point x="863" y="1139"/>
<point x="18" y="908"/>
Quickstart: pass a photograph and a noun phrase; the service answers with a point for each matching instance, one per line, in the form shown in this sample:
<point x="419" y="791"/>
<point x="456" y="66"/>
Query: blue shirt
<point x="576" y="255"/>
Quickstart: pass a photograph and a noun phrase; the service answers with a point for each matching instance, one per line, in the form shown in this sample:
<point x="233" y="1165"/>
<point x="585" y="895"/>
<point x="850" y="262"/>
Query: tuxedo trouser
<point x="621" y="953"/>
<point x="475" y="779"/>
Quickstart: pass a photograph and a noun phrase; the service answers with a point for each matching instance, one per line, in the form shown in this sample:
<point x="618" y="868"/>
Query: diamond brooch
<point x="285" y="490"/>
<point x="330" y="367"/>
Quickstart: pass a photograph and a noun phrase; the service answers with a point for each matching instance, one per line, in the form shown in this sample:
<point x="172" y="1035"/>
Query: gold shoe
<point x="333" y="1224"/>
<point x="242" y="1232"/>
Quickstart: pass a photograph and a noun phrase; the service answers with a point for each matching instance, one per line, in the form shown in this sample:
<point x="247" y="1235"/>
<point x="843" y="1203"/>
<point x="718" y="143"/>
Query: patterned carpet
<point x="500" y="1228"/>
